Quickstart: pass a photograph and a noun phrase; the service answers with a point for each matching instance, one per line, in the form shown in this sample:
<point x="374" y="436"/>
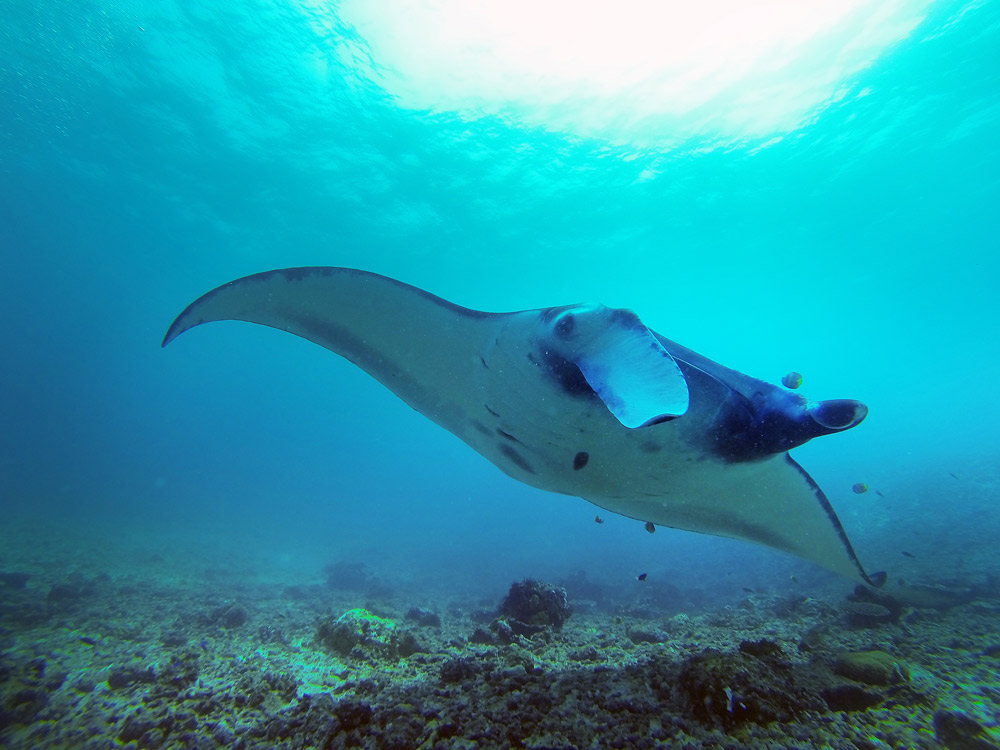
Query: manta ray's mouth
<point x="838" y="414"/>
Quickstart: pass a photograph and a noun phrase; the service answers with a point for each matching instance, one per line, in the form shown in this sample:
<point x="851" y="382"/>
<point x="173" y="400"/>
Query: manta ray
<point x="581" y="400"/>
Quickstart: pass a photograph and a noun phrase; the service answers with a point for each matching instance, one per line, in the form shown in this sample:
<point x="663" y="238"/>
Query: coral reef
<point x="124" y="661"/>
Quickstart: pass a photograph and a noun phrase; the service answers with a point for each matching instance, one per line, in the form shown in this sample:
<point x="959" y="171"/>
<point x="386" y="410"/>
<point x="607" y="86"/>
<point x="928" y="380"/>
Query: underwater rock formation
<point x="359" y="633"/>
<point x="871" y="667"/>
<point x="534" y="603"/>
<point x="424" y="617"/>
<point x="753" y="685"/>
<point x="956" y="731"/>
<point x="867" y="607"/>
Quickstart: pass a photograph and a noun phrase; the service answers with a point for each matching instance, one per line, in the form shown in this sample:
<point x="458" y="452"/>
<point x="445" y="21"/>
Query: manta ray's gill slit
<point x="569" y="376"/>
<point x="516" y="458"/>
<point x="481" y="427"/>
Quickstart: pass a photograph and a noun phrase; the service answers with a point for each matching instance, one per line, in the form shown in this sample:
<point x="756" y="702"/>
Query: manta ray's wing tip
<point x="876" y="580"/>
<point x="175" y="330"/>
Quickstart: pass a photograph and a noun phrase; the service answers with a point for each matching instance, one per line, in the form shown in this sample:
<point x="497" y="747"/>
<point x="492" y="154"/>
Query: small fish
<point x="792" y="380"/>
<point x="650" y="527"/>
<point x="879" y="493"/>
<point x="908" y="554"/>
<point x="641" y="577"/>
<point x="950" y="474"/>
<point x="598" y="519"/>
<point x="860" y="488"/>
<point x="748" y="590"/>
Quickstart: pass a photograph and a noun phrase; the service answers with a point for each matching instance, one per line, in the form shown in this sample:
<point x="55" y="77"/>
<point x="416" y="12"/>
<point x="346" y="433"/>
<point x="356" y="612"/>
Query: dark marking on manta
<point x="659" y="420"/>
<point x="484" y="363"/>
<point x="627" y="319"/>
<point x="564" y="328"/>
<point x="490" y="410"/>
<point x="549" y="313"/>
<point x="580" y="460"/>
<point x="507" y="435"/>
<point x="648" y="446"/>
<point x="516" y="458"/>
<point x="481" y="427"/>
<point x="569" y="376"/>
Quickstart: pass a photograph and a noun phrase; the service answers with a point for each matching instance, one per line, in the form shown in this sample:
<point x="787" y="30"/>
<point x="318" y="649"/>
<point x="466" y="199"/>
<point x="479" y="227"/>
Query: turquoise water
<point x="150" y="152"/>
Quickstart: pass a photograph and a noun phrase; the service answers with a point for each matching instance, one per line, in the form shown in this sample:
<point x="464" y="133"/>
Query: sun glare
<point x="642" y="72"/>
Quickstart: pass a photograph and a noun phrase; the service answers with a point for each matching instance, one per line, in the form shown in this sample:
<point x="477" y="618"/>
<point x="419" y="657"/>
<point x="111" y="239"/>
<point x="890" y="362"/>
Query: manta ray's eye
<point x="565" y="326"/>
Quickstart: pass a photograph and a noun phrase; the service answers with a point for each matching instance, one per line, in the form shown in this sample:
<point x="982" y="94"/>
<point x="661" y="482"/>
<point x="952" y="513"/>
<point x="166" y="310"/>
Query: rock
<point x="134" y="727"/>
<point x="462" y="669"/>
<point x="761" y="649"/>
<point x="269" y="634"/>
<point x="16" y="581"/>
<point x="957" y="731"/>
<point x="407" y="644"/>
<point x="372" y="635"/>
<point x="861" y="613"/>
<point x="424" y="617"/>
<point x="849" y="697"/>
<point x="483" y="637"/>
<point x="730" y="689"/>
<point x="230" y="615"/>
<point x="535" y="603"/>
<point x="935" y="596"/>
<point x="639" y="635"/>
<point x="71" y="591"/>
<point x="353" y="714"/>
<point x="121" y="677"/>
<point x="871" y="667"/>
<point x="354" y="576"/>
<point x="173" y="638"/>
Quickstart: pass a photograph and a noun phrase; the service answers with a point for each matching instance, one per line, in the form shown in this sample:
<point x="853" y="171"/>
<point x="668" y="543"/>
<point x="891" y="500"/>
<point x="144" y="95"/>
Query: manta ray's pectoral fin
<point x="624" y="363"/>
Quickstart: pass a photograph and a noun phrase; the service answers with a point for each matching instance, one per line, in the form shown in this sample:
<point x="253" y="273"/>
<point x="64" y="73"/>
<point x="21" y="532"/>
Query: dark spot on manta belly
<point x="481" y="427"/>
<point x="516" y="458"/>
<point x="490" y="410"/>
<point x="507" y="435"/>
<point x="580" y="460"/>
<point x="648" y="446"/>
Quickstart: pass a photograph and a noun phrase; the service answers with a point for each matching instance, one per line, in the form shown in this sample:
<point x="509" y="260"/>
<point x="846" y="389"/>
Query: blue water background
<point x="151" y="152"/>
